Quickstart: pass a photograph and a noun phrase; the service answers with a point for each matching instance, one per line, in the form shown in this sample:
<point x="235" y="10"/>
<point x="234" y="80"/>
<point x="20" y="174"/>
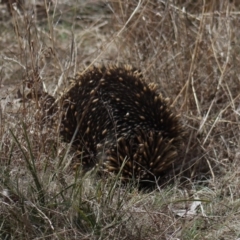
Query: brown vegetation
<point x="190" y="49"/>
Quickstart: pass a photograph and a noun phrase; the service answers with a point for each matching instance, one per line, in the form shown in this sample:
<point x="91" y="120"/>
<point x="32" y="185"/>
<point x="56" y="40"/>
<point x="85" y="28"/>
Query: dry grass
<point x="191" y="50"/>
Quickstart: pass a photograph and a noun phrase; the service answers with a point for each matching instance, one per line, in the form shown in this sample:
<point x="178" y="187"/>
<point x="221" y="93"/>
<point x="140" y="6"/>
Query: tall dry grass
<point x="190" y="49"/>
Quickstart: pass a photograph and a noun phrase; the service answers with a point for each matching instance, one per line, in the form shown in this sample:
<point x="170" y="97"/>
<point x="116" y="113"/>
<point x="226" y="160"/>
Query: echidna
<point x="118" y="121"/>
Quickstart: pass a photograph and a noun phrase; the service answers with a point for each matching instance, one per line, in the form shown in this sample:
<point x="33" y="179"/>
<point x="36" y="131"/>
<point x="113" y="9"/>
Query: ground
<point x="190" y="49"/>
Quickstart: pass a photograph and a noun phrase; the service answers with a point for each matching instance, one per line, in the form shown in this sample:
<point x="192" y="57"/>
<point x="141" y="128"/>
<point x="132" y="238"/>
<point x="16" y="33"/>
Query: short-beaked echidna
<point x="118" y="121"/>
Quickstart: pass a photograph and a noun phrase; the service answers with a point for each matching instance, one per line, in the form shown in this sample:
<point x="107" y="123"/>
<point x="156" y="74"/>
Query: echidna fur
<point x="118" y="121"/>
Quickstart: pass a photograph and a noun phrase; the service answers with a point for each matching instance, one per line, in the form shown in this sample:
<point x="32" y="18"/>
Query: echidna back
<point x="117" y="118"/>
